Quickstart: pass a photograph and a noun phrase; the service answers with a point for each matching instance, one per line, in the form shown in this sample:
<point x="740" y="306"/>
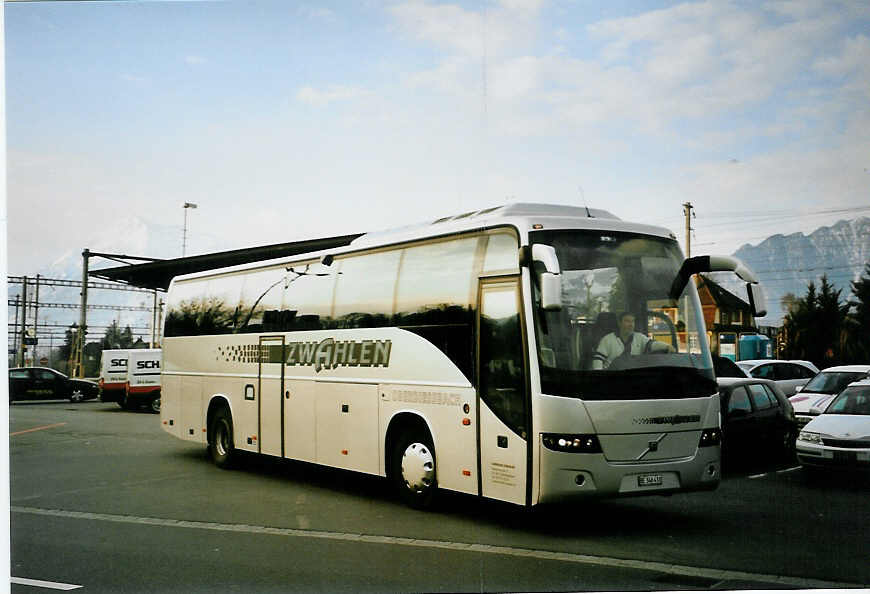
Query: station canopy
<point x="159" y="273"/>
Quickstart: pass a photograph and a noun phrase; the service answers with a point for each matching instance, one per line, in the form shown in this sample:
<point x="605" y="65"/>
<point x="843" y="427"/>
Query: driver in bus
<point x="625" y="341"/>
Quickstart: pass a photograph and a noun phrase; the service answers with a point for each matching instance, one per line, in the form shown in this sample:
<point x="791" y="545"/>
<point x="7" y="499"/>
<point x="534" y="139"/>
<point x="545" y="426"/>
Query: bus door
<point x="271" y="390"/>
<point x="504" y="423"/>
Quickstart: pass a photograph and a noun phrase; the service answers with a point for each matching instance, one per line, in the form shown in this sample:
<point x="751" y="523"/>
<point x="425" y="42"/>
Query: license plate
<point x="649" y="480"/>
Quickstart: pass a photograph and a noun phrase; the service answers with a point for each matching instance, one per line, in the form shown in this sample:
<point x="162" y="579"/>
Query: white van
<point x="143" y="379"/>
<point x="113" y="375"/>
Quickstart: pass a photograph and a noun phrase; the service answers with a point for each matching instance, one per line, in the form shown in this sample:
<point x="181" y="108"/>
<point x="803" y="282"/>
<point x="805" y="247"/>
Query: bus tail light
<point x="710" y="437"/>
<point x="583" y="444"/>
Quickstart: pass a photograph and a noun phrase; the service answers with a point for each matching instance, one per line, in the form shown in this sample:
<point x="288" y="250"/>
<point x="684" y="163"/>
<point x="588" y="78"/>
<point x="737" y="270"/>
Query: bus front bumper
<point x="566" y="476"/>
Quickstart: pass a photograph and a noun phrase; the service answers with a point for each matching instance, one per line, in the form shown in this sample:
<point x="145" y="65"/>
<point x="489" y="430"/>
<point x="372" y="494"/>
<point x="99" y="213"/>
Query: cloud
<point x="854" y="57"/>
<point x="315" y="12"/>
<point x="194" y="60"/>
<point x="132" y="78"/>
<point x="689" y="62"/>
<point x="472" y="33"/>
<point x="319" y="98"/>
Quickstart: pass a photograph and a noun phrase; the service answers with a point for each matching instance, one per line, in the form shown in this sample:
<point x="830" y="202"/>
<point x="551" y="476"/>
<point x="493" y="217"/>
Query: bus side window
<point x="309" y="296"/>
<point x="433" y="297"/>
<point x="365" y="290"/>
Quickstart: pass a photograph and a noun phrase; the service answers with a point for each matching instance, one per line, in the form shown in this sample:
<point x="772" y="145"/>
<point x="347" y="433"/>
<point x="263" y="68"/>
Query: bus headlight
<point x="579" y="444"/>
<point x="710" y="437"/>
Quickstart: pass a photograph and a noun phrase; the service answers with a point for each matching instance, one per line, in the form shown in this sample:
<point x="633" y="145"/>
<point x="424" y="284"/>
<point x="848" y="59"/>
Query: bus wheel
<point x="155" y="405"/>
<point x="221" y="444"/>
<point x="413" y="471"/>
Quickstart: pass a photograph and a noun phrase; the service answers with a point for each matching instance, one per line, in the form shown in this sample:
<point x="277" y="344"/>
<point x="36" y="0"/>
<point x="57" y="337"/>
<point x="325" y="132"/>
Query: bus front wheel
<point x="221" y="444"/>
<point x="413" y="471"/>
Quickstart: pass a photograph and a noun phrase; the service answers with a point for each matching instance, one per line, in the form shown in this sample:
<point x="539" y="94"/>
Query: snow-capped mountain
<point x="787" y="263"/>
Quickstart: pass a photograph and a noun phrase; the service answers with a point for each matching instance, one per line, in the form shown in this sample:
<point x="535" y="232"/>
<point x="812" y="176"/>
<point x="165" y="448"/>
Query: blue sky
<point x="288" y="120"/>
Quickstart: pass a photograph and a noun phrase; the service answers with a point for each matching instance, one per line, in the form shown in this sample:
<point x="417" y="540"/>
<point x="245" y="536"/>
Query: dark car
<point x="725" y="367"/>
<point x="758" y="421"/>
<point x="42" y="383"/>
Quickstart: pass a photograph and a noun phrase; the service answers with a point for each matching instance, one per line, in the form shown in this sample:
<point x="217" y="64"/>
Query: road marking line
<point x="37" y="429"/>
<point x="755" y="476"/>
<point x="655" y="566"/>
<point x="43" y="584"/>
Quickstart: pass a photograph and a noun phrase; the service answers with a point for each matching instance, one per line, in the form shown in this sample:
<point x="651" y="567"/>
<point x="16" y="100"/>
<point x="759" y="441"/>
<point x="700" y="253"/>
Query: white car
<point x="820" y="390"/>
<point x="788" y="375"/>
<point x="839" y="437"/>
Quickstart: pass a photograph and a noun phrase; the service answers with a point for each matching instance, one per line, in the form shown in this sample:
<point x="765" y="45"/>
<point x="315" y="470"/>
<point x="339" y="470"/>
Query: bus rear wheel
<point x="413" y="469"/>
<point x="220" y="445"/>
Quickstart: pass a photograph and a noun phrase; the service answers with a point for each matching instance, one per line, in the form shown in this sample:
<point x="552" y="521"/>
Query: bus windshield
<point x="619" y="334"/>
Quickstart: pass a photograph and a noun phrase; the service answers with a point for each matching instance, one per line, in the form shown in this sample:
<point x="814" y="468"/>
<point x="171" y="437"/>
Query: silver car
<point x="788" y="375"/>
<point x="839" y="437"/>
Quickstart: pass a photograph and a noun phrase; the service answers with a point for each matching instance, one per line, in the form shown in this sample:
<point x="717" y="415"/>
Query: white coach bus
<point x="465" y="354"/>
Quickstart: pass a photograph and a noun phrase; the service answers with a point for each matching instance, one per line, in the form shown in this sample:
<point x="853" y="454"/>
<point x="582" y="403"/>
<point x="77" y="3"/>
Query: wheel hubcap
<point x="221" y="440"/>
<point x="155" y="405"/>
<point x="418" y="467"/>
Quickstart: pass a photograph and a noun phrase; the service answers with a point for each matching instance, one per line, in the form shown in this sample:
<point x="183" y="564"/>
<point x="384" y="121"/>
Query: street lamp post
<point x="187" y="205"/>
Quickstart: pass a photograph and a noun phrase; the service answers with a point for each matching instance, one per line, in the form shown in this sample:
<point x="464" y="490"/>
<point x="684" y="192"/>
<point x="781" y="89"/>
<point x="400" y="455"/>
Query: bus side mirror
<point x="757" y="300"/>
<point x="546" y="266"/>
<point x="696" y="264"/>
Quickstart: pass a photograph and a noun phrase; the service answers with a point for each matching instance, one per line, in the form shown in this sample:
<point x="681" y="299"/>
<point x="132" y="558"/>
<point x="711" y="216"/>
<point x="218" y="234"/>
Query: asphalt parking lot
<point x="103" y="498"/>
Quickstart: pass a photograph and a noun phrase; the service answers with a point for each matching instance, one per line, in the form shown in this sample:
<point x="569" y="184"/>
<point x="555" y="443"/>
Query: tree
<point x="796" y="326"/>
<point x="857" y="347"/>
<point x="65" y="350"/>
<point x="788" y="302"/>
<point x="815" y="326"/>
<point x="115" y="338"/>
<point x="831" y="327"/>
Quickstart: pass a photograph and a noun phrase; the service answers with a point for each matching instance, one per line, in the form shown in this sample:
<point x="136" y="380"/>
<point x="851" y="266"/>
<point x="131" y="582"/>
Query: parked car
<point x="820" y="390"/>
<point x="788" y="375"/>
<point x="42" y="383"/>
<point x="725" y="367"/>
<point x="757" y="421"/>
<point x="840" y="436"/>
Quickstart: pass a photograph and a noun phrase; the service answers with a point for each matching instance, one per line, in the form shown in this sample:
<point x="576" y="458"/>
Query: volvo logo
<point x="652" y="446"/>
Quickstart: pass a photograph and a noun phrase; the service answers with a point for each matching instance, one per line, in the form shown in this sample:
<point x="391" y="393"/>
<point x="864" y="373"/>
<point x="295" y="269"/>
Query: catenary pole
<point x="78" y="370"/>
<point x="23" y="328"/>
<point x="35" y="316"/>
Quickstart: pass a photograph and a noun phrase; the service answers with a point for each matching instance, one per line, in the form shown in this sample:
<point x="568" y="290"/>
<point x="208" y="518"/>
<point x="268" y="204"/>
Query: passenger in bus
<point x="624" y="342"/>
